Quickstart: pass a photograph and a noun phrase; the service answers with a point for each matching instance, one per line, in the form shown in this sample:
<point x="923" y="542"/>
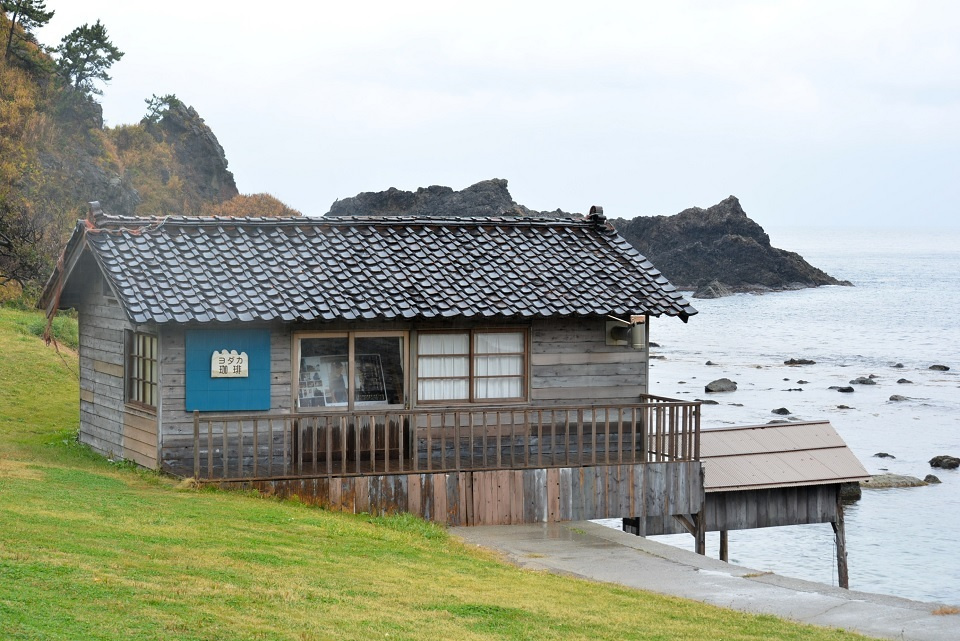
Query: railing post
<point x="256" y="447"/>
<point x="456" y="440"/>
<point x="196" y="444"/>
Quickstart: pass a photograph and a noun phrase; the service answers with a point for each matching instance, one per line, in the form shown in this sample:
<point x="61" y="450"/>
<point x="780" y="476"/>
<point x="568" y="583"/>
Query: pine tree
<point x="29" y="14"/>
<point x="85" y="54"/>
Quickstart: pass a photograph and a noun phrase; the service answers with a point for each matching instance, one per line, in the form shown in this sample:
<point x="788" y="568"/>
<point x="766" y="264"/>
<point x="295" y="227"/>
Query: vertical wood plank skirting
<point x="503" y="497"/>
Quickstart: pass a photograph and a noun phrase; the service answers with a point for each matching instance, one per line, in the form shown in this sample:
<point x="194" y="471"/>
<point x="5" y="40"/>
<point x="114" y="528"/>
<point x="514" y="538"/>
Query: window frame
<point x="351" y="336"/>
<point x="472" y="376"/>
<point x="141" y="373"/>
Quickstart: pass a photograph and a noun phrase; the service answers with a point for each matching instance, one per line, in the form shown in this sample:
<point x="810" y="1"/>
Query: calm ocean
<point x="904" y="308"/>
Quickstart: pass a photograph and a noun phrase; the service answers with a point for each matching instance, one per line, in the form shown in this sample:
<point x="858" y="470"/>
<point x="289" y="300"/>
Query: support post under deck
<point x="843" y="578"/>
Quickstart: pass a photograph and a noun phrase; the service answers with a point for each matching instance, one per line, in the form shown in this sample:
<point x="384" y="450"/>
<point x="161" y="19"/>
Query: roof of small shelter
<point x="188" y="269"/>
<point x="776" y="455"/>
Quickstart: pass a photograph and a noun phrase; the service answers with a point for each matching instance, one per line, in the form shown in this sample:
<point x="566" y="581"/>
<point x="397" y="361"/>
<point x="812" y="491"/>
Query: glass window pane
<point x="452" y="389"/>
<point x="488" y="388"/>
<point x="324" y="368"/>
<point x="498" y="365"/>
<point x="497" y="342"/>
<point x="378" y="370"/>
<point x="442" y="344"/>
<point x="443" y="366"/>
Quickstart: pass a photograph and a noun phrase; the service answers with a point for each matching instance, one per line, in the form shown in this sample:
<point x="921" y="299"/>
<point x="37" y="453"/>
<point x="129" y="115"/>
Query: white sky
<point x="836" y="113"/>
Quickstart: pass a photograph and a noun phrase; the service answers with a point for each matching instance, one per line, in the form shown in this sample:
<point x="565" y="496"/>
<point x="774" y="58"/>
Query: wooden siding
<point x="748" y="509"/>
<point x="504" y="497"/>
<point x="176" y="438"/>
<point x="107" y="424"/>
<point x="570" y="363"/>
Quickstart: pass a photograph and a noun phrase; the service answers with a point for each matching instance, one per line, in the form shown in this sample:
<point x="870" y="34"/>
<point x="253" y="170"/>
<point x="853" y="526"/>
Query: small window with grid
<point x="142" y="369"/>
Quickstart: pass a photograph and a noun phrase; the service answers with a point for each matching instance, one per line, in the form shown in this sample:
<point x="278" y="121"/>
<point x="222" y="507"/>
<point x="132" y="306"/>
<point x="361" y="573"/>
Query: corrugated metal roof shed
<point x="776" y="455"/>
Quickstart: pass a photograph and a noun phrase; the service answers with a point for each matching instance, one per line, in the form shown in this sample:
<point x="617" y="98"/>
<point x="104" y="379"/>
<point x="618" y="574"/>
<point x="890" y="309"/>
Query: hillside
<point x="56" y="156"/>
<point x="98" y="550"/>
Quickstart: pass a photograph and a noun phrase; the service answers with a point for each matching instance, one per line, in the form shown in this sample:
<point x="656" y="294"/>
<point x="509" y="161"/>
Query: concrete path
<point x="592" y="551"/>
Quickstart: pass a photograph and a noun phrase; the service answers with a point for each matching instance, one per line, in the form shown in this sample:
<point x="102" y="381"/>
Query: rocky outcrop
<point x="884" y="481"/>
<point x="716" y="251"/>
<point x="486" y="198"/>
<point x="707" y="250"/>
<point x="202" y="161"/>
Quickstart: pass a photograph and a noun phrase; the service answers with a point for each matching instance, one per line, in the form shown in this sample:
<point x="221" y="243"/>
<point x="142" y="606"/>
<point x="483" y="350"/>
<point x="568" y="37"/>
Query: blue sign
<point x="207" y="393"/>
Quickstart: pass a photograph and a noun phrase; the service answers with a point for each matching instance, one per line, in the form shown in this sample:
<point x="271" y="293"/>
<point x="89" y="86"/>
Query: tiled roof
<point x="180" y="269"/>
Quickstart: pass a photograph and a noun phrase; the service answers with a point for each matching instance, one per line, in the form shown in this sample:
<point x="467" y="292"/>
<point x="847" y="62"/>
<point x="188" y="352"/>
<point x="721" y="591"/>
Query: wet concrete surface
<point x="592" y="551"/>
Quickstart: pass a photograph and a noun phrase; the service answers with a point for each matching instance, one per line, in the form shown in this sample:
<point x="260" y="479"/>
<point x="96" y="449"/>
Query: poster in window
<point x="323" y="381"/>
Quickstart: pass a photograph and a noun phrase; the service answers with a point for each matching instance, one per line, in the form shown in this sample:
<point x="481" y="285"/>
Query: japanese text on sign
<point x="229" y="364"/>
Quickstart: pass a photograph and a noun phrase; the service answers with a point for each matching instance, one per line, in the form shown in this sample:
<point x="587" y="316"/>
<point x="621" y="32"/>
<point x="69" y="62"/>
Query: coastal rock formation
<point x="486" y="198"/>
<point x="707" y="250"/>
<point x="716" y="251"/>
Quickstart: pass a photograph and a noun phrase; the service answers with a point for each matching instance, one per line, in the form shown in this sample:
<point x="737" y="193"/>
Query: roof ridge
<point x="115" y="221"/>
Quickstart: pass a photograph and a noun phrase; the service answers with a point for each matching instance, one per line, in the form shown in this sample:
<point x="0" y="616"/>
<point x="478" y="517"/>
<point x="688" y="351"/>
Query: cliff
<point x="719" y="250"/>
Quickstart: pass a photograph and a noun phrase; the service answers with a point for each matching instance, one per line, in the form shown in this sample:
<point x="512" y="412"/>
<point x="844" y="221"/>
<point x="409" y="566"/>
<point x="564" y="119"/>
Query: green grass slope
<point x="94" y="550"/>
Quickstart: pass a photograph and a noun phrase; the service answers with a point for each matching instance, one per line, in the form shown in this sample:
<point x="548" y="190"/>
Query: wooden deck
<point x="499" y="465"/>
<point x="264" y="446"/>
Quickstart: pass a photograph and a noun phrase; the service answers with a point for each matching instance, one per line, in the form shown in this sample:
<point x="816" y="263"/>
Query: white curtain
<point x="498" y="365"/>
<point x="443" y="366"/>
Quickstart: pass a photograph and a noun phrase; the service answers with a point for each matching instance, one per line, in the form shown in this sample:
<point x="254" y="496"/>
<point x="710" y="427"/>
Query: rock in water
<point x="883" y="481"/>
<point x="939" y="368"/>
<point x="699" y="246"/>
<point x="897" y="398"/>
<point x="721" y="385"/>
<point x="782" y="411"/>
<point x="945" y="462"/>
<point x="863" y="380"/>
<point x="713" y="289"/>
<point x="799" y="361"/>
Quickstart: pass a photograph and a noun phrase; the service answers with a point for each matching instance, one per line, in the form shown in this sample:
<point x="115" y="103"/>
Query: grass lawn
<point x="95" y="550"/>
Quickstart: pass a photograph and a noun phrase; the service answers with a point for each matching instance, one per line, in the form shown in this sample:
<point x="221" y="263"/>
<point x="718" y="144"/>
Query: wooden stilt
<point x="724" y="546"/>
<point x="843" y="578"/>
<point x="701" y="534"/>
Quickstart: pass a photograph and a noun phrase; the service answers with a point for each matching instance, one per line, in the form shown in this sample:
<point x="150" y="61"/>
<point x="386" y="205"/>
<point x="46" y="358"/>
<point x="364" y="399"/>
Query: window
<point x="350" y="369"/>
<point x="478" y="365"/>
<point x="141" y="368"/>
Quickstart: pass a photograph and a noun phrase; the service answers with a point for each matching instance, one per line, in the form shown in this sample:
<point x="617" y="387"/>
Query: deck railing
<point x="439" y="440"/>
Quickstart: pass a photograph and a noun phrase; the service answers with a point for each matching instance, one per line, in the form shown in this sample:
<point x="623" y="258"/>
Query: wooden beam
<point x="724" y="546"/>
<point x="839" y="532"/>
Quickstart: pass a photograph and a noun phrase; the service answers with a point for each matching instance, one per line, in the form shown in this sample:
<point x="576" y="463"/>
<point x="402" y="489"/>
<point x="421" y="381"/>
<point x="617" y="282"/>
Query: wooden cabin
<point x="471" y="370"/>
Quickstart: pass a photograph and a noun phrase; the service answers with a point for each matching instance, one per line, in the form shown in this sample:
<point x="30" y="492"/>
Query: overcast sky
<point x="812" y="113"/>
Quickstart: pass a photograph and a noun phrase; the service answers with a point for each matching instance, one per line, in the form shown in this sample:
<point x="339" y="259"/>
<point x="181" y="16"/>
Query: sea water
<point x="904" y="309"/>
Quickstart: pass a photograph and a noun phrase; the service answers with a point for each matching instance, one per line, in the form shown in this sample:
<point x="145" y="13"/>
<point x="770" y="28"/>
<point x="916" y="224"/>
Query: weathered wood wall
<point x="176" y="438"/>
<point x="107" y="424"/>
<point x="508" y="496"/>
<point x="748" y="509"/>
<point x="570" y="363"/>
